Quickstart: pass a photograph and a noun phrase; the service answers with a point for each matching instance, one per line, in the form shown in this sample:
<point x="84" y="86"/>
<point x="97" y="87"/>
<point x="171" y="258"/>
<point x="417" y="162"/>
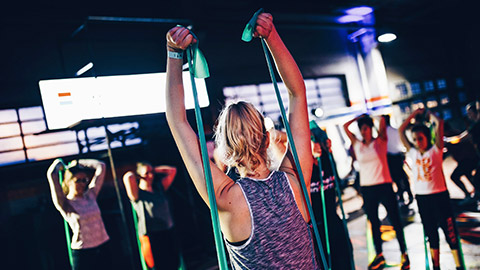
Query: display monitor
<point x="68" y="101"/>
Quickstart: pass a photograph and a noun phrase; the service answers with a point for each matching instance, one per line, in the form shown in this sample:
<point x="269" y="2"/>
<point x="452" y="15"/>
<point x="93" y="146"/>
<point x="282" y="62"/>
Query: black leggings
<point x="340" y="245"/>
<point x="464" y="167"/>
<point x="372" y="197"/>
<point x="395" y="165"/>
<point x="92" y="258"/>
<point x="165" y="249"/>
<point x="435" y="211"/>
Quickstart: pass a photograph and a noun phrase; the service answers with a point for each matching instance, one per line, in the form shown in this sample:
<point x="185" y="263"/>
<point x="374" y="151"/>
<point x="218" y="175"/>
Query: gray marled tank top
<point x="280" y="237"/>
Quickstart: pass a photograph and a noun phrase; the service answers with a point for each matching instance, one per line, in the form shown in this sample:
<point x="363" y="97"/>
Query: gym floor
<point x="468" y="223"/>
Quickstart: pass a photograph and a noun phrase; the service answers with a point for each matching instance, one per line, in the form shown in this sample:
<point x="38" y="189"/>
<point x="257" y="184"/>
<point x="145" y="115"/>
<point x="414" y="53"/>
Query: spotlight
<point x="387" y="37"/>
<point x="359" y="11"/>
<point x="349" y="18"/>
<point x="84" y="69"/>
<point x="318" y="112"/>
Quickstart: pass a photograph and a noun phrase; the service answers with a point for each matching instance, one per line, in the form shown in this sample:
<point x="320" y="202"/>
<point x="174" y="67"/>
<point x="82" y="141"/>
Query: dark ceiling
<point x="222" y="12"/>
<point x="25" y="25"/>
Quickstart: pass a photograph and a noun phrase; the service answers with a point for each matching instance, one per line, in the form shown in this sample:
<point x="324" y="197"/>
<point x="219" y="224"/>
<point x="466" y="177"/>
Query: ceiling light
<point x="387" y="37"/>
<point x="318" y="112"/>
<point x="349" y="18"/>
<point x="359" y="11"/>
<point x="84" y="69"/>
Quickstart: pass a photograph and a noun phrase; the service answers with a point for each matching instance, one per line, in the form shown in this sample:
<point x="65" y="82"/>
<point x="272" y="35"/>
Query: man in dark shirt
<point x="474" y="133"/>
<point x="474" y="130"/>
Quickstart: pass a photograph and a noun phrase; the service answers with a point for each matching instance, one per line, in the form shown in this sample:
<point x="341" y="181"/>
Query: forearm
<point x="99" y="176"/>
<point x="175" y="97"/>
<point x="401" y="131"/>
<point x="286" y="65"/>
<point x="58" y="197"/>
<point x="346" y="126"/>
<point x="131" y="186"/>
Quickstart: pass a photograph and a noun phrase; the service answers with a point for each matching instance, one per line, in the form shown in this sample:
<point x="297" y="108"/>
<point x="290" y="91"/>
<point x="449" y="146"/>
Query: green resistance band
<point x="370" y="245"/>
<point x="142" y="259"/>
<point x="340" y="203"/>
<point x="67" y="230"/>
<point x="324" y="212"/>
<point x="135" y="222"/>
<point x="199" y="69"/>
<point x="249" y="32"/>
<point x="425" y="245"/>
<point x="460" y="250"/>
<point x="319" y="133"/>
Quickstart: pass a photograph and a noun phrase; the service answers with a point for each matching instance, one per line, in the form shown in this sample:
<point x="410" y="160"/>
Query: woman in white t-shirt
<point x="430" y="188"/>
<point x="376" y="184"/>
<point x="76" y="200"/>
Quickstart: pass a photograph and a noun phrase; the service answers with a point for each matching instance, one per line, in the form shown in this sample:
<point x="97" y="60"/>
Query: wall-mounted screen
<point x="68" y="101"/>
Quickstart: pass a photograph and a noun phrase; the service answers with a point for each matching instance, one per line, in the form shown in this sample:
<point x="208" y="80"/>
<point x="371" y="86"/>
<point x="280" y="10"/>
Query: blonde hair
<point x="67" y="177"/>
<point x="69" y="174"/>
<point x="241" y="137"/>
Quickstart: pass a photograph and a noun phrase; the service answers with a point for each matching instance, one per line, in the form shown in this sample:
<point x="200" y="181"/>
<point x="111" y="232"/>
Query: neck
<point x="74" y="195"/>
<point x="368" y="141"/>
<point x="144" y="185"/>
<point x="260" y="172"/>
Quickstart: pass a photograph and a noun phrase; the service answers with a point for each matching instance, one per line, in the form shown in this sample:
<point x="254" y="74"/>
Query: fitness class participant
<point x="263" y="215"/>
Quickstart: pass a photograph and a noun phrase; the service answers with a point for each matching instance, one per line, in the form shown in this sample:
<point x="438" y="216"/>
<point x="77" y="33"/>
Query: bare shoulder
<point x="231" y="199"/>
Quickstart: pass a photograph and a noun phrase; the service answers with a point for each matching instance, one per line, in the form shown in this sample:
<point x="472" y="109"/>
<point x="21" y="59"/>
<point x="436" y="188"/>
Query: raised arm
<point x="58" y="197"/>
<point x="293" y="79"/>
<point x="403" y="128"/>
<point x="169" y="172"/>
<point x="178" y="39"/>
<point x="131" y="185"/>
<point x="438" y="129"/>
<point x="382" y="129"/>
<point x="350" y="135"/>
<point x="99" y="175"/>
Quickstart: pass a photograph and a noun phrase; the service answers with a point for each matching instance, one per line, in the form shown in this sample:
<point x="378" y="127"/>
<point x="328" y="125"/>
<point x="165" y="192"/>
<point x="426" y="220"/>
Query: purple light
<point x="349" y="18"/>
<point x="359" y="11"/>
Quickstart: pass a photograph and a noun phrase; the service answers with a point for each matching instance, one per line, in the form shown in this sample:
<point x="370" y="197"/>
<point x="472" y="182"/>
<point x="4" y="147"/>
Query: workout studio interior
<point x="203" y="135"/>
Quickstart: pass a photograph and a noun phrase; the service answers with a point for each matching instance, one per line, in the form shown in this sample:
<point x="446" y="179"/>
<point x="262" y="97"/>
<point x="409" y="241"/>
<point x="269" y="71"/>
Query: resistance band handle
<point x="324" y="212"/>
<point x="206" y="166"/>
<point x="295" y="156"/>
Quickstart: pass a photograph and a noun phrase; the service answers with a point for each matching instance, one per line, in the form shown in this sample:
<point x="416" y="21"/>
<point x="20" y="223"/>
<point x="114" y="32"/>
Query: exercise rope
<point x="322" y="135"/>
<point x="67" y="230"/>
<point x="135" y="222"/>
<point x="247" y="37"/>
<point x="425" y="245"/>
<point x="460" y="250"/>
<point x="324" y="212"/>
<point x="340" y="203"/>
<point x="199" y="69"/>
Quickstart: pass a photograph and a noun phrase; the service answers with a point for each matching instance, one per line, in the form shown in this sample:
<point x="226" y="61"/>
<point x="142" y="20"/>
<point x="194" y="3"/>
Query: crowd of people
<point x="263" y="214"/>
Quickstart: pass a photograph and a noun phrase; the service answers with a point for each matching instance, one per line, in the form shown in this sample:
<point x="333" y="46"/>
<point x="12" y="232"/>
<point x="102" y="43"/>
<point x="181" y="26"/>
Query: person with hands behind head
<point x="376" y="184"/>
<point x="76" y="200"/>
<point x="263" y="215"/>
<point x="431" y="190"/>
<point x="154" y="219"/>
<point x="338" y="241"/>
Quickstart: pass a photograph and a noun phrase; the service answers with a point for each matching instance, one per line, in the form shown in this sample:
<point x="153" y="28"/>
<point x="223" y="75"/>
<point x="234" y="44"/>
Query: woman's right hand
<point x="179" y="38"/>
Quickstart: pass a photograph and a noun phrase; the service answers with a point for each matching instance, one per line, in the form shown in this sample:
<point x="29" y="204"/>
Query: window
<point x="429" y="86"/>
<point x="441" y="84"/>
<point x="23" y="137"/>
<point x="402" y="90"/>
<point x="416" y="89"/>
<point x="328" y="93"/>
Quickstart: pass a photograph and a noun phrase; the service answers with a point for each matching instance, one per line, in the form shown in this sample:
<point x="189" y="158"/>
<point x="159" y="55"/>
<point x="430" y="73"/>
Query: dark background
<point x="436" y="39"/>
